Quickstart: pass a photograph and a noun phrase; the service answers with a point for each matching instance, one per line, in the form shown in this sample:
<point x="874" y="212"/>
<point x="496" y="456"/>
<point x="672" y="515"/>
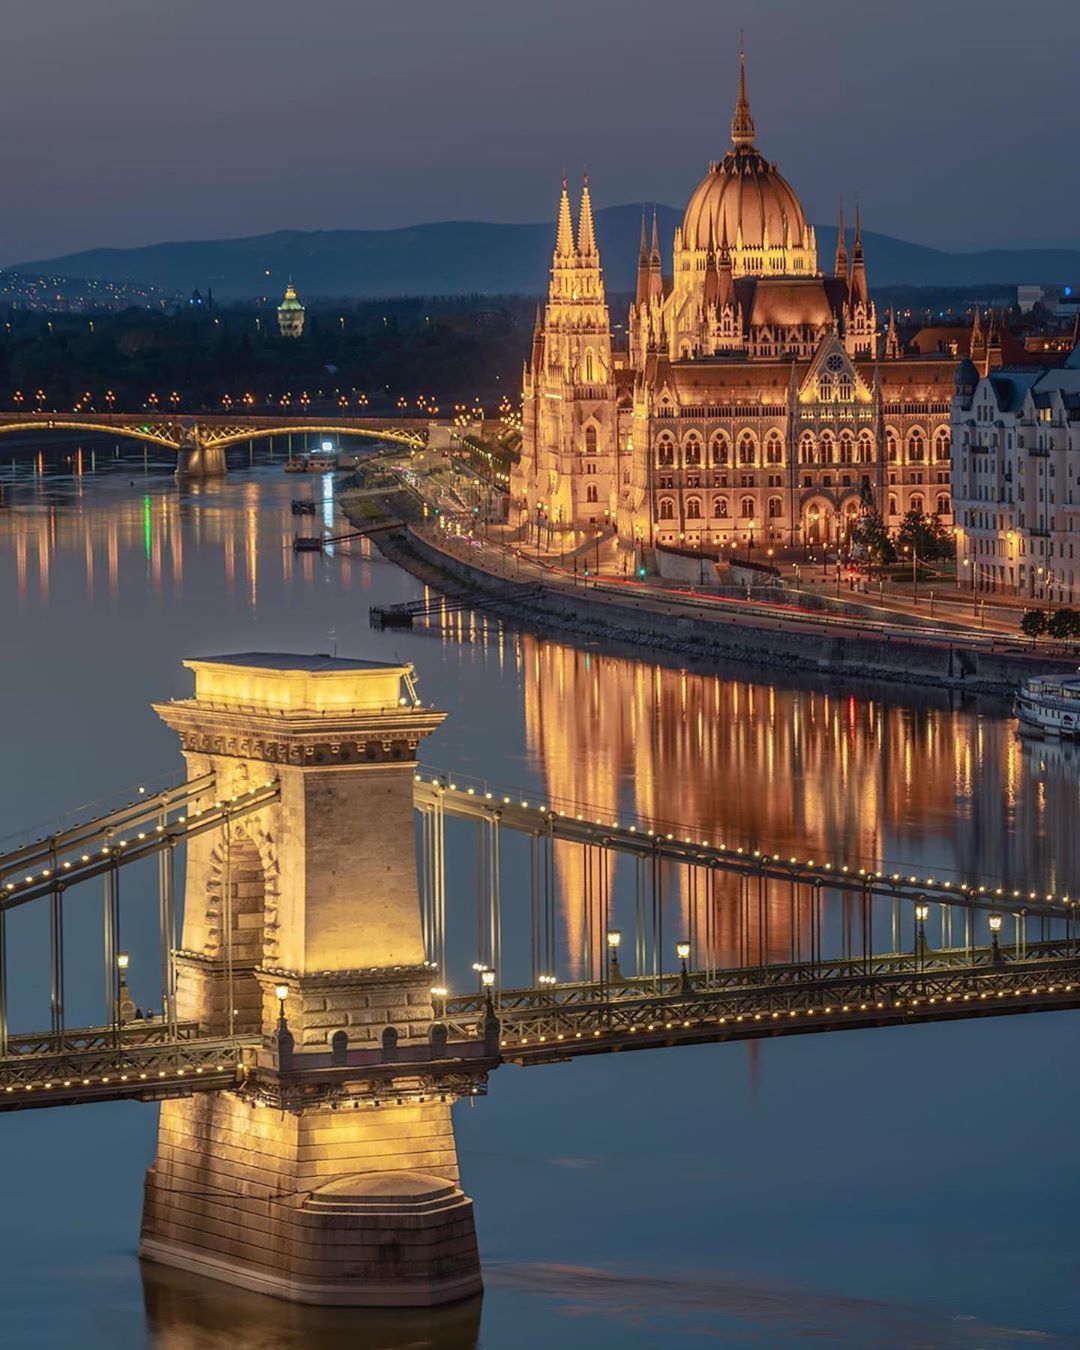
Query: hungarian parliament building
<point x="759" y="399"/>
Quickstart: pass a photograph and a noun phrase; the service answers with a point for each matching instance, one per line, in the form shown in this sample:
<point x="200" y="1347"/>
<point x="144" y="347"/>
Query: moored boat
<point x="1050" y="704"/>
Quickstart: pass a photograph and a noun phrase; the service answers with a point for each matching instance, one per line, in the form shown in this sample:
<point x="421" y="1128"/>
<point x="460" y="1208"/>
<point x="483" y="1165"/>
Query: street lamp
<point x="282" y="992"/>
<point x="922" y="913"/>
<point x="682" y="951"/>
<point x="125" y="1004"/>
<point x="995" y="947"/>
<point x="614" y="937"/>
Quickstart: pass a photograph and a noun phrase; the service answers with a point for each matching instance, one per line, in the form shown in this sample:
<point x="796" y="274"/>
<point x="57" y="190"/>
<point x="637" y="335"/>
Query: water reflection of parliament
<point x="838" y="775"/>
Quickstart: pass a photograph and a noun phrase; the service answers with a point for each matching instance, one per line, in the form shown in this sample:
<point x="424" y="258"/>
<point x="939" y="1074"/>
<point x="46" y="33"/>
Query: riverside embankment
<point x="697" y="628"/>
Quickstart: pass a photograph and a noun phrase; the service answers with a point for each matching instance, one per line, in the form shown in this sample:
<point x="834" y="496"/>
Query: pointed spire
<point x="641" y="294"/>
<point x="860" y="291"/>
<point x="726" y="293"/>
<point x="892" y="338"/>
<point x="564" y="235"/>
<point x="841" y="267"/>
<point x="586" y="230"/>
<point x="654" y="249"/>
<point x="742" y="124"/>
<point x="712" y="277"/>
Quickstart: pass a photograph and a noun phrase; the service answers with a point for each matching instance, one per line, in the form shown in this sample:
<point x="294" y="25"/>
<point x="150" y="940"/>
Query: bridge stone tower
<point x="329" y="1175"/>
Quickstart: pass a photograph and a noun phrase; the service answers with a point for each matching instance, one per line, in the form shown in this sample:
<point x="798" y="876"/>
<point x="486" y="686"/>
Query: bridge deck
<point x="546" y="1025"/>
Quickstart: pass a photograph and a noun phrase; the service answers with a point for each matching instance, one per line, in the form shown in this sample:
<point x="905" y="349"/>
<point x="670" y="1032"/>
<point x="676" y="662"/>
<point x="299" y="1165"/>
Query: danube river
<point x="906" y="1187"/>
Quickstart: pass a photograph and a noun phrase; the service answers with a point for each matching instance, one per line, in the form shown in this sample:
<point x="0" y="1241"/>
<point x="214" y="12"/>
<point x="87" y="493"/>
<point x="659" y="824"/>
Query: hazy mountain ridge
<point x="466" y="257"/>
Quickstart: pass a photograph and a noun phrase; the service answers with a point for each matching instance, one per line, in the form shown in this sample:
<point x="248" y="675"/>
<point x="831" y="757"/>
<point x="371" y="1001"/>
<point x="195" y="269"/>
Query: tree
<point x="1063" y="624"/>
<point x="1033" y="624"/>
<point x="925" y="536"/>
<point x="872" y="540"/>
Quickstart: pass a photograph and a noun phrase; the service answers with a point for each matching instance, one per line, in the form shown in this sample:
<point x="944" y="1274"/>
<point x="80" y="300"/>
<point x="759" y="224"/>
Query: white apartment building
<point x="1016" y="479"/>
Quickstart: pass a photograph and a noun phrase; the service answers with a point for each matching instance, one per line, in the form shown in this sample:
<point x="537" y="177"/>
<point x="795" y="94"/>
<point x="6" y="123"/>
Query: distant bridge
<point x="201" y="439"/>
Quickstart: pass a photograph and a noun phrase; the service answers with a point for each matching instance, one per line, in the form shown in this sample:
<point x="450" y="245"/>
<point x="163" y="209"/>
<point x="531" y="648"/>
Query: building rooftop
<point x="293" y="661"/>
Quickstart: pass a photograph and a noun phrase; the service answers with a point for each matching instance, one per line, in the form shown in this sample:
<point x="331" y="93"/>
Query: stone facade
<point x="330" y="1175"/>
<point x="1016" y="446"/>
<point x="757" y="397"/>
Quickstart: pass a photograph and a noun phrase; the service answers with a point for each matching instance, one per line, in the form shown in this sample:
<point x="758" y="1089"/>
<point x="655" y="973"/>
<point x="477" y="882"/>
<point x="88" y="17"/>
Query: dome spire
<point x="742" y="124"/>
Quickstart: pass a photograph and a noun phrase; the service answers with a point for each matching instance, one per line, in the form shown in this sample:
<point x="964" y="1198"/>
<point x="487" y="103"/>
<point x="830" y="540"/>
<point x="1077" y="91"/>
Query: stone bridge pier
<point x="196" y="459"/>
<point x="330" y="1174"/>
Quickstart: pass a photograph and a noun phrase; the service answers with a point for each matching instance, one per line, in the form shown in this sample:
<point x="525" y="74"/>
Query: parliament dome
<point x="747" y="201"/>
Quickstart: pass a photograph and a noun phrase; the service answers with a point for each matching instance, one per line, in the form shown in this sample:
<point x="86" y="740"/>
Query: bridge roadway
<point x="148" y="1061"/>
<point x="550" y="1024"/>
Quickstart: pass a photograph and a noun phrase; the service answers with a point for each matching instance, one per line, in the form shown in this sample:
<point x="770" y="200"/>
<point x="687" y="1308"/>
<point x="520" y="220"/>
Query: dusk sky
<point x="128" y="122"/>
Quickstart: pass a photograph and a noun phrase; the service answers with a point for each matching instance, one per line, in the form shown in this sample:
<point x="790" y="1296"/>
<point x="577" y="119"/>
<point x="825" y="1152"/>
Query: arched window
<point x="826" y="455"/>
<point x="890" y="445"/>
<point x="916" y="443"/>
<point x="719" y="449"/>
<point x="667" y="509"/>
<point x="943" y="504"/>
<point x="776" y="508"/>
<point x="693" y="508"/>
<point x="720" y="507"/>
<point x="774" y="449"/>
<point x="590" y="492"/>
<point x="746" y="448"/>
<point x="806" y="448"/>
<point x="941" y="444"/>
<point x="892" y="506"/>
<point x="866" y="448"/>
<point x="746" y="508"/>
<point x="590" y="440"/>
<point x="847" y="448"/>
<point x="589" y="365"/>
<point x="825" y="388"/>
<point x="843" y="388"/>
<point x="917" y="503"/>
<point x="692" y="452"/>
<point x="665" y="451"/>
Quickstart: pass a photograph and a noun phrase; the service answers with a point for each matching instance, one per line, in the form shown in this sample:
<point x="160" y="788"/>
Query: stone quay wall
<point x="598" y="613"/>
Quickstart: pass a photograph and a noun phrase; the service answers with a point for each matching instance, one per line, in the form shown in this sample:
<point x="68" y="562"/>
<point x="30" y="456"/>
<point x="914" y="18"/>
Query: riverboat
<point x="1050" y="704"/>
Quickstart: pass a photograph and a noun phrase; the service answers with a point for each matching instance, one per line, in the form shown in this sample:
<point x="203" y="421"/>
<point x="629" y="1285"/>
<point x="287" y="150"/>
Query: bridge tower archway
<point x="302" y="925"/>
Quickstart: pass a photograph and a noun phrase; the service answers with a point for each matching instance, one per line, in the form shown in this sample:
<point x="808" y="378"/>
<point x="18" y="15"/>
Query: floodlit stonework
<point x="757" y="397"/>
<point x="325" y="1178"/>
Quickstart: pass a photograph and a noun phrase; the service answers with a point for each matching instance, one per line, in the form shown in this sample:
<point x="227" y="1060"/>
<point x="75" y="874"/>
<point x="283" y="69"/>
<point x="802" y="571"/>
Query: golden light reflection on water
<point x="864" y="778"/>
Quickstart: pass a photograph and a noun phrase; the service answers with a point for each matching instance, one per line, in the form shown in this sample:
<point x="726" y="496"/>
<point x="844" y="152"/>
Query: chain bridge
<point x="363" y="940"/>
<point x="201" y="439"/>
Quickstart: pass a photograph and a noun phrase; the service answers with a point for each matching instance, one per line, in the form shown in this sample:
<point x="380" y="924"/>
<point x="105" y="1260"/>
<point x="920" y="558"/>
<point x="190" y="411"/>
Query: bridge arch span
<point x="414" y="438"/>
<point x="151" y="432"/>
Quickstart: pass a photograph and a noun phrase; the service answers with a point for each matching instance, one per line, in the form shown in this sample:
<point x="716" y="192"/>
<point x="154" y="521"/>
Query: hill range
<point x="473" y="257"/>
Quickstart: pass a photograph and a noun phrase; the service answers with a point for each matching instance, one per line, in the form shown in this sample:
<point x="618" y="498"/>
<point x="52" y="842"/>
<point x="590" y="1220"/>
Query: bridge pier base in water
<point x="332" y="1206"/>
<point x="200" y="461"/>
<point x="329" y="1174"/>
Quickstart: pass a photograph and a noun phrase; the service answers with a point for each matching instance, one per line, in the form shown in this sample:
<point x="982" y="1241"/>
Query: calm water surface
<point x="910" y="1187"/>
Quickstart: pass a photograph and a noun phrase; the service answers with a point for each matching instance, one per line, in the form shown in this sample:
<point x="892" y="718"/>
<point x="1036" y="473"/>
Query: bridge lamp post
<point x="487" y="979"/>
<point x="614" y="937"/>
<point x="682" y="951"/>
<point x="922" y="913"/>
<point x="282" y="992"/>
<point x="995" y="922"/>
<point x="439" y="993"/>
<point x="125" y="1004"/>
